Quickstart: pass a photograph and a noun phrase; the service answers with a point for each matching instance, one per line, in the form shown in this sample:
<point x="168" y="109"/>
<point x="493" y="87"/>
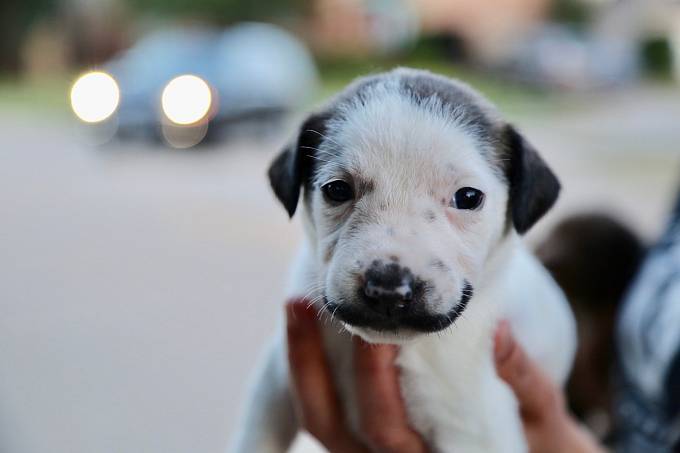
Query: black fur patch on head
<point x="533" y="187"/>
<point x="421" y="87"/>
<point x="462" y="105"/>
<point x="294" y="166"/>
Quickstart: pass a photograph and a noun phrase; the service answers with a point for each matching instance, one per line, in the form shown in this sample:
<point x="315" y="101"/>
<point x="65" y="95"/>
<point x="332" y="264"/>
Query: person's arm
<point x="384" y="422"/>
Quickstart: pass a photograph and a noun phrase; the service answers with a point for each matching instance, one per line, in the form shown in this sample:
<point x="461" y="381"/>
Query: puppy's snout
<point x="388" y="287"/>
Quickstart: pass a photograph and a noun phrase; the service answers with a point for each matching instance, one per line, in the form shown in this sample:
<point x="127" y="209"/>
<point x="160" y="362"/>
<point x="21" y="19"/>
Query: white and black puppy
<point x="414" y="194"/>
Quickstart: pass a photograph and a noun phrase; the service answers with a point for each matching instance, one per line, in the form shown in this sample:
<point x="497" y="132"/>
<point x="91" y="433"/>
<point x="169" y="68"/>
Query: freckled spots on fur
<point x="439" y="265"/>
<point x="445" y="202"/>
<point x="430" y="216"/>
<point x="363" y="186"/>
<point x="394" y="258"/>
<point x="353" y="228"/>
<point x="330" y="250"/>
<point x="337" y="214"/>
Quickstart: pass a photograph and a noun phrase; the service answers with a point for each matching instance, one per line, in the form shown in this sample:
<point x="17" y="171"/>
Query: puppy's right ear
<point x="292" y="167"/>
<point x="533" y="186"/>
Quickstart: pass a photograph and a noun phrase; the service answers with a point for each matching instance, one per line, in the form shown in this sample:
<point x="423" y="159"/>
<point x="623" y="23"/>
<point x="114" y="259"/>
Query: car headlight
<point x="94" y="96"/>
<point x="186" y="99"/>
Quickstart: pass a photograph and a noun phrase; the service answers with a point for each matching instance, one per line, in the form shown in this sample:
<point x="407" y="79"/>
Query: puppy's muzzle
<point x="390" y="297"/>
<point x="388" y="288"/>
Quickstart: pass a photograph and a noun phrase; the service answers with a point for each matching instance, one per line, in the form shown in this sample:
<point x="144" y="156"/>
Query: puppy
<point x="414" y="194"/>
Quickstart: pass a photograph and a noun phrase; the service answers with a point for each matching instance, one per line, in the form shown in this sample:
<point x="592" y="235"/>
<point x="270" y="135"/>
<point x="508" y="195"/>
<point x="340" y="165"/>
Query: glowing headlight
<point x="186" y="99"/>
<point x="94" y="97"/>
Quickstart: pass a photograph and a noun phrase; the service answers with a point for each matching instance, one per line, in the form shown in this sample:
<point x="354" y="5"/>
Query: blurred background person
<point x="594" y="258"/>
<point x="647" y="405"/>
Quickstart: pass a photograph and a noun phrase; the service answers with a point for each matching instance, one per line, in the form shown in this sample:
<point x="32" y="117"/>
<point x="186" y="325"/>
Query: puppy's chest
<point x="451" y="399"/>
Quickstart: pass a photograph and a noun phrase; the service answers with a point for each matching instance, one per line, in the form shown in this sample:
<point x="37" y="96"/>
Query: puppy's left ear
<point x="291" y="168"/>
<point x="533" y="186"/>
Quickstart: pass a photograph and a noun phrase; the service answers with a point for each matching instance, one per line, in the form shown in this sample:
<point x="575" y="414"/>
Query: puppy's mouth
<point x="413" y="316"/>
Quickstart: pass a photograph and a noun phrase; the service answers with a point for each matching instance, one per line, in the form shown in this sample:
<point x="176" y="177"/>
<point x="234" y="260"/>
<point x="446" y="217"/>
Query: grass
<point x="49" y="95"/>
<point x="46" y="95"/>
<point x="511" y="98"/>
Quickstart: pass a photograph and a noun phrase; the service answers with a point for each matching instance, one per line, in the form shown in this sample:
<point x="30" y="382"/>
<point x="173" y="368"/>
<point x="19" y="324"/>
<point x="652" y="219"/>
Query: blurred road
<point x="138" y="284"/>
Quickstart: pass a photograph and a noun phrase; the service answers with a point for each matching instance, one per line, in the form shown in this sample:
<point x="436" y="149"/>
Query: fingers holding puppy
<point x="548" y="425"/>
<point x="318" y="407"/>
<point x="383" y="418"/>
<point x="384" y="423"/>
<point x="538" y="396"/>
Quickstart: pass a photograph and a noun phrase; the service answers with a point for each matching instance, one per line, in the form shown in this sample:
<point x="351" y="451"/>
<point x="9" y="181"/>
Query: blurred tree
<point x="576" y="13"/>
<point x="16" y="16"/>
<point x="224" y="11"/>
<point x="440" y="46"/>
<point x="657" y="56"/>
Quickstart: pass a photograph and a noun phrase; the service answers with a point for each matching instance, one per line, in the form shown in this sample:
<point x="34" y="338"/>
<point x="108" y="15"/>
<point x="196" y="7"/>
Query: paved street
<point x="138" y="284"/>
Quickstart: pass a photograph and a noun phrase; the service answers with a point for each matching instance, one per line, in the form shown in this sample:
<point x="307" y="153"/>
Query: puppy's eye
<point x="467" y="198"/>
<point x="338" y="191"/>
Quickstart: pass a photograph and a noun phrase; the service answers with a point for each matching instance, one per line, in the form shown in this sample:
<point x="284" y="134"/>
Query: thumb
<point x="538" y="397"/>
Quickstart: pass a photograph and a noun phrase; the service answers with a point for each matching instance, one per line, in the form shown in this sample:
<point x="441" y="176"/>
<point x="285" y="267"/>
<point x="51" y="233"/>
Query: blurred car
<point x="182" y="85"/>
<point x="558" y="57"/>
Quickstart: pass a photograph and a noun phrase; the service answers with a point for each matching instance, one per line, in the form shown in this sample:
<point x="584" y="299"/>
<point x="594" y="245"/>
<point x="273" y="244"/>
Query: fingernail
<point x="503" y="341"/>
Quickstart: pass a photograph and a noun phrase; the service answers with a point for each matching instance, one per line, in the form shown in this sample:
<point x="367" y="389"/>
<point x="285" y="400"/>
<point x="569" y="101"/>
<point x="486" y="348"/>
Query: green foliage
<point x="572" y="12"/>
<point x="513" y="99"/>
<point x="16" y="16"/>
<point x="657" y="57"/>
<point x="447" y="47"/>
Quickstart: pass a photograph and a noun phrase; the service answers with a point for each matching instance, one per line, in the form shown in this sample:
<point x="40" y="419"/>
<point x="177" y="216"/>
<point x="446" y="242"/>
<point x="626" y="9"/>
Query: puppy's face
<point x="407" y="184"/>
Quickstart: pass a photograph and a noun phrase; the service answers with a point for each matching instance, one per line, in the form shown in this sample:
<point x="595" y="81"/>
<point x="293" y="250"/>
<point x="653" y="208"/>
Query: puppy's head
<point x="410" y="181"/>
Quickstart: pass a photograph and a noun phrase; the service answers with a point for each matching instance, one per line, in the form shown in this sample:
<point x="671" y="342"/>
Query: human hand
<point x="548" y="426"/>
<point x="383" y="419"/>
<point x="384" y="424"/>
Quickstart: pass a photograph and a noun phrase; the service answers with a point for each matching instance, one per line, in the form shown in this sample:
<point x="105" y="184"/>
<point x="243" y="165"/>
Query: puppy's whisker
<point x="319" y="159"/>
<point x="325" y="137"/>
<point x="319" y="150"/>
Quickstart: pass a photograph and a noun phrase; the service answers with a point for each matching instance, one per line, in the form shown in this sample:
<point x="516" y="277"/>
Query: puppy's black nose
<point x="388" y="288"/>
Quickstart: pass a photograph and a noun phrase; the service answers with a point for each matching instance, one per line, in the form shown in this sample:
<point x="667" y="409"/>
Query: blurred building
<point x="487" y="29"/>
<point x="643" y="22"/>
<point x="574" y="44"/>
<point x="359" y="27"/>
<point x="75" y="33"/>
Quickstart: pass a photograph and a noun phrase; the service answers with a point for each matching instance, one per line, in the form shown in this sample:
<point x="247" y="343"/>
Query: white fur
<point x="416" y="156"/>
